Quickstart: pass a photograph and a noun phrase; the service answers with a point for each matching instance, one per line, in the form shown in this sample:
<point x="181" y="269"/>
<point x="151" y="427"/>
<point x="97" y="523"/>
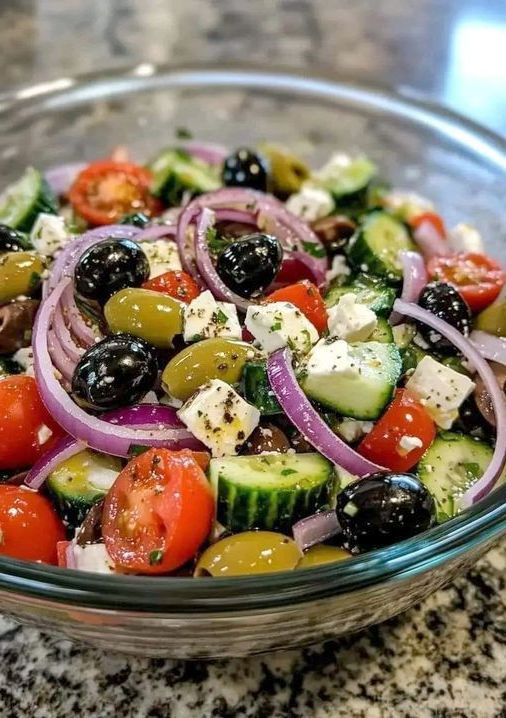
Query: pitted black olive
<point x="382" y="509"/>
<point x="445" y="302"/>
<point x="245" y="168"/>
<point x="250" y="264"/>
<point x="116" y="372"/>
<point x="109" y="266"/>
<point x="11" y="240"/>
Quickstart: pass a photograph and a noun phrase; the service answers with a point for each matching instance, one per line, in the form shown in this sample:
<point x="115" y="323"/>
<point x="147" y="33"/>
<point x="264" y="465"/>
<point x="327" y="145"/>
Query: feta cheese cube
<point x="49" y="234"/>
<point x="219" y="417"/>
<point x="204" y="318"/>
<point x="408" y="443"/>
<point x="465" y="238"/>
<point x="280" y="324"/>
<point x="163" y="256"/>
<point x="92" y="557"/>
<point x="310" y="203"/>
<point x="24" y="357"/>
<point x="334" y="167"/>
<point x="350" y="320"/>
<point x="407" y="205"/>
<point x="352" y="430"/>
<point x="331" y="357"/>
<point x="339" y="268"/>
<point x="440" y="390"/>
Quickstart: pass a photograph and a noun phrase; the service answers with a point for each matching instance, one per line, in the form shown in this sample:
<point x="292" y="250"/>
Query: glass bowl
<point x="417" y="145"/>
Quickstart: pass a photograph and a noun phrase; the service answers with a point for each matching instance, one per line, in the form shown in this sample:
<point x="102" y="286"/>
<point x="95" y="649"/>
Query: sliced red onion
<point x="430" y="241"/>
<point x="236" y="215"/>
<point x="144" y="415"/>
<point x="82" y="331"/>
<point x="306" y="419"/>
<point x="487" y="482"/>
<point x="315" y="529"/>
<point x="206" y="151"/>
<point x="490" y="347"/>
<point x="64" y="337"/>
<point x="60" y="452"/>
<point x="94" y="431"/>
<point x="60" y="360"/>
<point x="61" y="177"/>
<point x="156" y="231"/>
<point x="206" y="266"/>
<point x="414" y="279"/>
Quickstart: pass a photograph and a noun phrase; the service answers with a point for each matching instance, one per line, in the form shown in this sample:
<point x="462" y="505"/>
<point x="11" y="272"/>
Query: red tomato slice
<point x="106" y="191"/>
<point x="26" y="428"/>
<point x="476" y="277"/>
<point x="158" y="512"/>
<point x="307" y="298"/>
<point x="292" y="270"/>
<point x="404" y="417"/>
<point x="30" y="528"/>
<point x="435" y="219"/>
<point x="179" y="285"/>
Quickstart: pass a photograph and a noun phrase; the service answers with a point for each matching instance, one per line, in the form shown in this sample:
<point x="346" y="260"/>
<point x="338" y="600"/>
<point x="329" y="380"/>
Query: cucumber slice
<point x="80" y="482"/>
<point x="270" y="491"/>
<point x="176" y="172"/>
<point x="348" y="183"/>
<point x="23" y="200"/>
<point x="376" y="245"/>
<point x="411" y="357"/>
<point x="359" y="394"/>
<point x="257" y="389"/>
<point x="371" y="291"/>
<point x="383" y="332"/>
<point x="452" y="464"/>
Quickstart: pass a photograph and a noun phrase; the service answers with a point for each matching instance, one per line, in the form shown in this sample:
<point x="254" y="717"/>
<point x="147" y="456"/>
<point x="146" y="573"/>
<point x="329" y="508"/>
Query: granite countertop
<point x="443" y="659"/>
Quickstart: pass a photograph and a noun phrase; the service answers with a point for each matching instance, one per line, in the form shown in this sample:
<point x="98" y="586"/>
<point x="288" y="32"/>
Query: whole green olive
<point x="205" y="360"/>
<point x="493" y="319"/>
<point x="288" y="172"/>
<point x="20" y="274"/>
<point x="152" y="316"/>
<point x="321" y="553"/>
<point x="250" y="552"/>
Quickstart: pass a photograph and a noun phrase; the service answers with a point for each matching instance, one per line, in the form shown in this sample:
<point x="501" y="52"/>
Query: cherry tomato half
<point x="307" y="298"/>
<point x="476" y="277"/>
<point x="434" y="219"/>
<point x="179" y="285"/>
<point x="405" y="417"/>
<point x="106" y="191"/>
<point x="26" y="429"/>
<point x="29" y="526"/>
<point x="158" y="512"/>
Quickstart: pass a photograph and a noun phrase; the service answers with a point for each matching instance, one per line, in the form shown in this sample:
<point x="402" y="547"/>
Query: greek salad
<point x="225" y="362"/>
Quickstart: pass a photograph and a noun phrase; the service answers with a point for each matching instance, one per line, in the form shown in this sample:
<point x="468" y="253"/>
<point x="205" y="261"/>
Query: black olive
<point x="109" y="266"/>
<point x="245" y="168"/>
<point x="382" y="509"/>
<point x="445" y="302"/>
<point x="250" y="264"/>
<point x="471" y="421"/>
<point x="116" y="372"/>
<point x="137" y="219"/>
<point x="11" y="240"/>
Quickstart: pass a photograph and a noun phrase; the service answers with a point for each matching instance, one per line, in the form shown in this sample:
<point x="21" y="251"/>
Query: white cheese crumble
<point x="43" y="434"/>
<point x="352" y="430"/>
<point x="465" y="238"/>
<point x="280" y="324"/>
<point x="219" y="417"/>
<point x="338" y="269"/>
<point x="49" y="234"/>
<point x="408" y="443"/>
<point x="93" y="557"/>
<point x="440" y="390"/>
<point x="310" y="203"/>
<point x="407" y="205"/>
<point x="350" y="320"/>
<point x="205" y="318"/>
<point x="163" y="256"/>
<point x="24" y="357"/>
<point x="330" y="357"/>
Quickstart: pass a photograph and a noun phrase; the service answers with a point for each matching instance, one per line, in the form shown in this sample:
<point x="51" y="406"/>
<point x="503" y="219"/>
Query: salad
<point x="225" y="363"/>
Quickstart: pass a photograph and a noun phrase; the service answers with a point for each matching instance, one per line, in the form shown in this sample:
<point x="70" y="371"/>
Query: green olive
<point x="20" y="274"/>
<point x="153" y="316"/>
<point x="320" y="554"/>
<point x="247" y="553"/>
<point x="493" y="319"/>
<point x="287" y="172"/>
<point x="205" y="360"/>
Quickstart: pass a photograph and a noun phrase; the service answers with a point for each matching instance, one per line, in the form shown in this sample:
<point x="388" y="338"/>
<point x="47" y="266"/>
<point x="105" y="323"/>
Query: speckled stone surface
<point x="447" y="657"/>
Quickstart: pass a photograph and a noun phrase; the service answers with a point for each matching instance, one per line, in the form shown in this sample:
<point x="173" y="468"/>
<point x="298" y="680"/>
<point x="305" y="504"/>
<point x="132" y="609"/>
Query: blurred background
<point x="452" y="50"/>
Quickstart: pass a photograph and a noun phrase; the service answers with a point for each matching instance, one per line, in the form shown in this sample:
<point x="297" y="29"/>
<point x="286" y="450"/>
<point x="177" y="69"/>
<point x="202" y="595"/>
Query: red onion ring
<point x="315" y="529"/>
<point x="80" y="329"/>
<point x="61" y="177"/>
<point x="415" y="278"/>
<point x="490" y="347"/>
<point x="485" y="485"/>
<point x="306" y="419"/>
<point x="430" y="241"/>
<point x="60" y="360"/>
<point x="206" y="151"/>
<point x="64" y="337"/>
<point x="60" y="452"/>
<point x="94" y="431"/>
<point x="156" y="231"/>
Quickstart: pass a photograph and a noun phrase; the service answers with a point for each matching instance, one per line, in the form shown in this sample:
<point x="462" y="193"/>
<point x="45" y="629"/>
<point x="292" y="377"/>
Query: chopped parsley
<point x="314" y="249"/>
<point x="276" y="326"/>
<point x="221" y="317"/>
<point x="215" y="242"/>
<point x="155" y="557"/>
<point x="137" y="449"/>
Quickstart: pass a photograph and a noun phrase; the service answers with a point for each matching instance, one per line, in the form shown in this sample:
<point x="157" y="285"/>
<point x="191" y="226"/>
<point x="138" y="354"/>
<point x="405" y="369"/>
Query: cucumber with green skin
<point x="450" y="466"/>
<point x="23" y="200"/>
<point x="382" y="333"/>
<point x="371" y="291"/>
<point x="175" y="172"/>
<point x="257" y="390"/>
<point x="349" y="184"/>
<point x="270" y="491"/>
<point x="376" y="244"/>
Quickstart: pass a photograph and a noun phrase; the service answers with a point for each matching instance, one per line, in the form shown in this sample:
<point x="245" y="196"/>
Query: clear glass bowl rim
<point x="479" y="525"/>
